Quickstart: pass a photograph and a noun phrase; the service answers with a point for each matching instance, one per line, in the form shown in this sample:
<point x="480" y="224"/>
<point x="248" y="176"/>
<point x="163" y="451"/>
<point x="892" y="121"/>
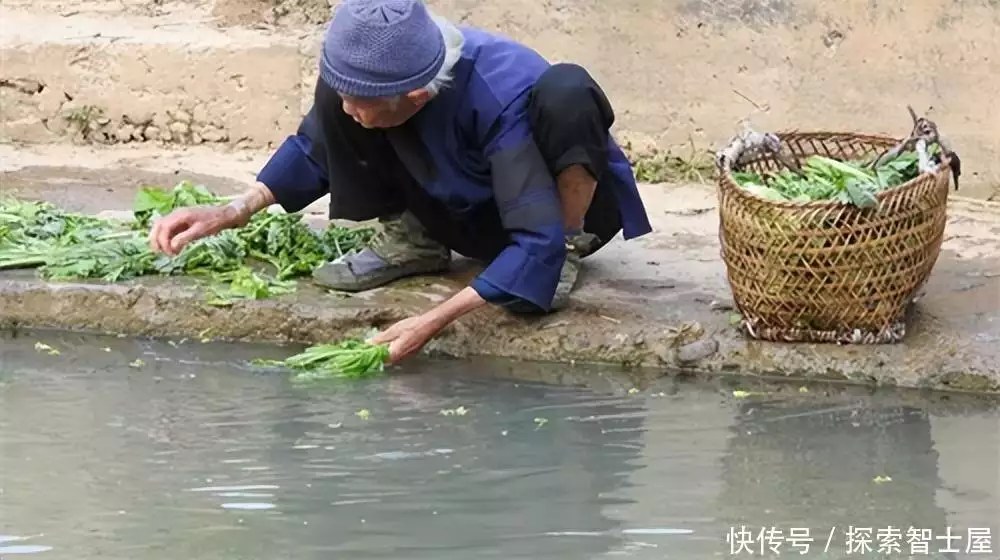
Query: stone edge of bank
<point x="581" y="334"/>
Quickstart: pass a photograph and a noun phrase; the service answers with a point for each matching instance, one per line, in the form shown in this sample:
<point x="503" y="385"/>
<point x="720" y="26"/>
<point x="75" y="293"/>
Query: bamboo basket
<point x="827" y="271"/>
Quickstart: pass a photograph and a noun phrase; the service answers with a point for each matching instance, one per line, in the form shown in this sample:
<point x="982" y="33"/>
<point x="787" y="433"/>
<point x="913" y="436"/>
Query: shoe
<point x="578" y="246"/>
<point x="402" y="249"/>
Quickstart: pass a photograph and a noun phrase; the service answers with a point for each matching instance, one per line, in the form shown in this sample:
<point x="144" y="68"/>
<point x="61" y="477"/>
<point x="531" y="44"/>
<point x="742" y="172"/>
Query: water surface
<point x="192" y="453"/>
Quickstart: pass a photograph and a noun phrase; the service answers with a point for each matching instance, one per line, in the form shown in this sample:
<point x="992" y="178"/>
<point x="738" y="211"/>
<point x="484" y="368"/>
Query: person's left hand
<point x="408" y="336"/>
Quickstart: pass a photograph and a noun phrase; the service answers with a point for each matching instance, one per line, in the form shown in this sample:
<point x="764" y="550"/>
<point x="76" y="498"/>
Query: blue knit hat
<point x="381" y="48"/>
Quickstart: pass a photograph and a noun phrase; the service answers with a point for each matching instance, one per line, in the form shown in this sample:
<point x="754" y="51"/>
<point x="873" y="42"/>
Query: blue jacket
<point x="486" y="156"/>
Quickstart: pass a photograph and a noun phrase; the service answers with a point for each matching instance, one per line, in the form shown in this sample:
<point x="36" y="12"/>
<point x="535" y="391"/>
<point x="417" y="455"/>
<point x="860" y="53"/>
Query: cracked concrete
<point x="659" y="303"/>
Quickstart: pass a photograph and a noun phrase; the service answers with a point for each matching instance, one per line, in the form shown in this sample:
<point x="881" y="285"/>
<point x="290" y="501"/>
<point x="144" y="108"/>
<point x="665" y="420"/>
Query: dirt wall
<point x="676" y="70"/>
<point x="682" y="69"/>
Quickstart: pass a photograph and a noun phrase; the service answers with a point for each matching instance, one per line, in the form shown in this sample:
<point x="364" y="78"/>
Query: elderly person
<point x="455" y="139"/>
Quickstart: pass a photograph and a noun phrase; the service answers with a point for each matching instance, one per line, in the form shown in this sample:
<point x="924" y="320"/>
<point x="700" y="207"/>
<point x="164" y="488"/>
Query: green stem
<point x="26" y="262"/>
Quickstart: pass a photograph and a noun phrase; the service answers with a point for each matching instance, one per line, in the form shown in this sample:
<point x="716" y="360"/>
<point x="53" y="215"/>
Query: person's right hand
<point x="171" y="233"/>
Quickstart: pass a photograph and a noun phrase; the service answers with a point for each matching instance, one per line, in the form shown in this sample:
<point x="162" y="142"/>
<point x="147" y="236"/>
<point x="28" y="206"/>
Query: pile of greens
<point x="65" y="246"/>
<point x="351" y="358"/>
<point x="827" y="179"/>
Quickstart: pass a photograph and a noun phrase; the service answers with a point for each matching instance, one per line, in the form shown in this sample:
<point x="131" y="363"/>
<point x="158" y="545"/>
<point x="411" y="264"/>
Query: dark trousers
<point x="570" y="117"/>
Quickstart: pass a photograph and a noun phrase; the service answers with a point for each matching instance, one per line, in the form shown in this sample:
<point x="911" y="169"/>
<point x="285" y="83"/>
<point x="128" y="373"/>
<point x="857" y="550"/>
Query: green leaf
<point x="860" y="196"/>
<point x="843" y="168"/>
<point x="747" y="177"/>
<point x="825" y="178"/>
<point x="66" y="246"/>
<point x="766" y="193"/>
<point x="151" y="199"/>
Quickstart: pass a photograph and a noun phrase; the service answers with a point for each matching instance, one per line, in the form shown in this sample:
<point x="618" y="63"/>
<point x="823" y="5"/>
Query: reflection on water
<point x="196" y="455"/>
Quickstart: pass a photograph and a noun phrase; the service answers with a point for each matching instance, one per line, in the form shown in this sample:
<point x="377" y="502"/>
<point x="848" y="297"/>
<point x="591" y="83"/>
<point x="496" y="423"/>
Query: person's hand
<point x="408" y="336"/>
<point x="171" y="233"/>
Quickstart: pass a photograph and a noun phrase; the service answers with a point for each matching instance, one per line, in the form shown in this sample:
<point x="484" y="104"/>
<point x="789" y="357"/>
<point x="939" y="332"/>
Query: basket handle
<point x="923" y="134"/>
<point x="749" y="142"/>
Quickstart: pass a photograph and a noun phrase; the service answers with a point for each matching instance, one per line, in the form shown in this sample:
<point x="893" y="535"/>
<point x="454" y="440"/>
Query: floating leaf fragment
<point x="203" y="336"/>
<point x="42" y="347"/>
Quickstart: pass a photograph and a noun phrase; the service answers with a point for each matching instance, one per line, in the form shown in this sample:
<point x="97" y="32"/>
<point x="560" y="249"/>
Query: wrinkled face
<point x="384" y="112"/>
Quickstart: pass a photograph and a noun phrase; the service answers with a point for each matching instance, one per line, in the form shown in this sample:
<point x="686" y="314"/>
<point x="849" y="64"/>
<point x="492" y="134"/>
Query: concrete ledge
<point x="134" y="80"/>
<point x="588" y="333"/>
<point x="658" y="303"/>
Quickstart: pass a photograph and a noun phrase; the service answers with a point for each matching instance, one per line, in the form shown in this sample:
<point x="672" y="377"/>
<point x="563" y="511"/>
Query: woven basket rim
<point x="726" y="179"/>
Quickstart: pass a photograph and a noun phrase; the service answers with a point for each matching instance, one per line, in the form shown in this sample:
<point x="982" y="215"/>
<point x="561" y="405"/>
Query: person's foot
<point x="578" y="246"/>
<point x="402" y="249"/>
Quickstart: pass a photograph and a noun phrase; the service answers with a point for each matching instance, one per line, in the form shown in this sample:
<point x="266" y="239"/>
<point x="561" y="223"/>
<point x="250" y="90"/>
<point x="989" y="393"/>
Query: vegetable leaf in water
<point x="351" y="358"/>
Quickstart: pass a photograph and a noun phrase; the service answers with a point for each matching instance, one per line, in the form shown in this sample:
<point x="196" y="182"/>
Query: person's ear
<point x="419" y="97"/>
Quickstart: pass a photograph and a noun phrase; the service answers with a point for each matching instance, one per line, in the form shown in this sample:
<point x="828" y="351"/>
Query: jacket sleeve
<point x="292" y="175"/>
<point x="523" y="277"/>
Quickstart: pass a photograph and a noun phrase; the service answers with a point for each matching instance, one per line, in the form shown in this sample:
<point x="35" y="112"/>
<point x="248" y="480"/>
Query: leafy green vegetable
<point x="111" y="260"/>
<point x="285" y="242"/>
<point x="244" y="283"/>
<point x="351" y="358"/>
<point x="223" y="252"/>
<point x="151" y="202"/>
<point x="65" y="246"/>
<point x="826" y="179"/>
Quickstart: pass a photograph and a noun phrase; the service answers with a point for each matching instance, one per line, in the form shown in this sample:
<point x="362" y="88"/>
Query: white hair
<point x="453" y="43"/>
